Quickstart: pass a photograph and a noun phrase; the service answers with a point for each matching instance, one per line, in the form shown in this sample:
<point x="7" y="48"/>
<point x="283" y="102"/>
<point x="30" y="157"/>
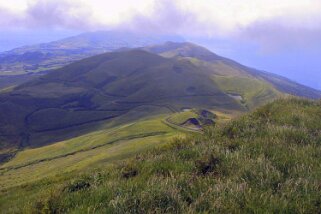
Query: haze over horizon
<point x="279" y="37"/>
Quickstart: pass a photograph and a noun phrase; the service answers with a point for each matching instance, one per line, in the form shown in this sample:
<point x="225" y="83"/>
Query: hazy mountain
<point x="62" y="52"/>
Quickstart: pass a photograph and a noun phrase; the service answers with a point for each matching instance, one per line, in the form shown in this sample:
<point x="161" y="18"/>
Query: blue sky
<point x="277" y="36"/>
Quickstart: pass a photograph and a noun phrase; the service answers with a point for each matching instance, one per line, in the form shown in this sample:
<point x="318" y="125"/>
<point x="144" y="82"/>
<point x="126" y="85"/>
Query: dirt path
<point x="180" y="127"/>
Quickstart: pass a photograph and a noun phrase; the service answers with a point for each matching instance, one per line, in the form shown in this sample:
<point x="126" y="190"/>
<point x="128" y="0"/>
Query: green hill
<point x="134" y="130"/>
<point x="80" y="97"/>
<point x="253" y="85"/>
<point x="266" y="161"/>
<point x="117" y="88"/>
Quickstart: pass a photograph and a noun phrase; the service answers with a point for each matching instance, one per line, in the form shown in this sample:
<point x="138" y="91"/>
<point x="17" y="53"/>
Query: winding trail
<point x="180" y="127"/>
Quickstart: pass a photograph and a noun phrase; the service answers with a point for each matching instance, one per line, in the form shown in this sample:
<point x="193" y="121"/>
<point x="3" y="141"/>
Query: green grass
<point x="79" y="97"/>
<point x="92" y="140"/>
<point x="96" y="89"/>
<point x="177" y="120"/>
<point x="180" y="128"/>
<point x="82" y="160"/>
<point x="253" y="91"/>
<point x="78" y="152"/>
<point x="181" y="117"/>
<point x="265" y="162"/>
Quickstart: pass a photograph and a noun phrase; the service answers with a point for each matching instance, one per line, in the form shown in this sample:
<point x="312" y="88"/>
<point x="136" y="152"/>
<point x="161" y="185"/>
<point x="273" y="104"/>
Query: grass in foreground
<point x="265" y="162"/>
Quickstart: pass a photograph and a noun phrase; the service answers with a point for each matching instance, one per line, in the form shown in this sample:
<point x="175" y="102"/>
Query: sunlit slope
<point x="89" y="141"/>
<point x="111" y="143"/>
<point x="79" y="152"/>
<point x="266" y="161"/>
<point x="252" y="92"/>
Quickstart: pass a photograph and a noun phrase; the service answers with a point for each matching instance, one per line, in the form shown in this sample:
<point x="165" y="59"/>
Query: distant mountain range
<point x="77" y="98"/>
<point x="56" y="54"/>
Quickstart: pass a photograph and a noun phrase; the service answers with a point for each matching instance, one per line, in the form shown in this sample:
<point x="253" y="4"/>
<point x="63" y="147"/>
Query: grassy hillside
<point x="264" y="162"/>
<point x="80" y="97"/>
<point x="253" y="92"/>
<point x="181" y="117"/>
<point x="86" y="142"/>
<point x="80" y="152"/>
<point x="111" y="142"/>
<point x="9" y="81"/>
<point x="116" y="88"/>
<point x="217" y="66"/>
<point x="234" y="79"/>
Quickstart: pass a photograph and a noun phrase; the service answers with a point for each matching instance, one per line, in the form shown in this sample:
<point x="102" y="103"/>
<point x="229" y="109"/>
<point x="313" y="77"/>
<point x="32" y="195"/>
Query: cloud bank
<point x="270" y="23"/>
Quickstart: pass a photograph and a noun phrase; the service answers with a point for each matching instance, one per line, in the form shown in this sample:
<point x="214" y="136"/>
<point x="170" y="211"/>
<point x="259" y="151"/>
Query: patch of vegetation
<point x="89" y="141"/>
<point x="107" y="145"/>
<point x="192" y="120"/>
<point x="181" y="117"/>
<point x="77" y="186"/>
<point x="254" y="92"/>
<point x="264" y="162"/>
<point x="129" y="171"/>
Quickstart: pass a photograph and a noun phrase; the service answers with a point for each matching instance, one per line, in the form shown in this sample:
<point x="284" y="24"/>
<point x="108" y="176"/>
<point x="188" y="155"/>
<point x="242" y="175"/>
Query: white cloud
<point x="14" y="5"/>
<point x="233" y="14"/>
<point x="69" y="13"/>
<point x="251" y="19"/>
<point x="112" y="12"/>
<point x="226" y="15"/>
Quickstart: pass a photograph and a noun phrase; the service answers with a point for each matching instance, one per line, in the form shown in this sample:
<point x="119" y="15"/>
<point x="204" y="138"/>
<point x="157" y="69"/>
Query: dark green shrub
<point x="129" y="173"/>
<point x="78" y="185"/>
<point x="208" y="165"/>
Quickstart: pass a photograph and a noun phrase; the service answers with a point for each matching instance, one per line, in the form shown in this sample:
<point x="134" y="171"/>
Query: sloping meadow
<point x="267" y="161"/>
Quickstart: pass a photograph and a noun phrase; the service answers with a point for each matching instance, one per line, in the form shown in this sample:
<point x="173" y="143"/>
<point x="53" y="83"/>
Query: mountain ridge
<point x="51" y="55"/>
<point x="182" y="50"/>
